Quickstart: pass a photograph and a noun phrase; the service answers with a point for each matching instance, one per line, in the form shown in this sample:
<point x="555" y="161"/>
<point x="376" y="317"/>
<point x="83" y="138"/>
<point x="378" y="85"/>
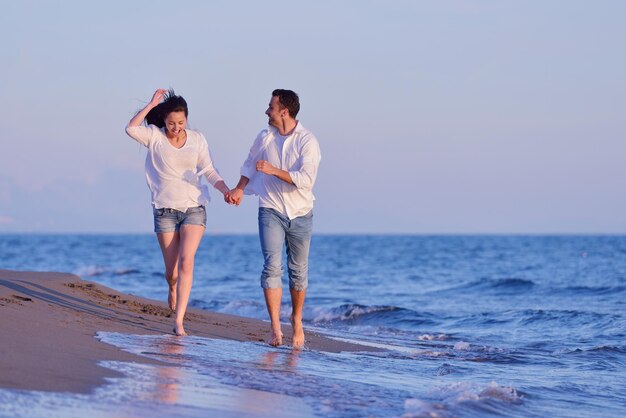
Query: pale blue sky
<point x="433" y="117"/>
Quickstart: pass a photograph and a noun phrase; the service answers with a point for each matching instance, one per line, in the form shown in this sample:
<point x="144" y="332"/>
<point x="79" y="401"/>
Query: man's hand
<point x="265" y="167"/>
<point x="235" y="196"/>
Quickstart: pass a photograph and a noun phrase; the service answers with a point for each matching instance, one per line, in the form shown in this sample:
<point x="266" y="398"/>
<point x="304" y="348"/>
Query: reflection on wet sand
<point x="207" y="377"/>
<point x="167" y="382"/>
<point x="254" y="401"/>
<point x="288" y="361"/>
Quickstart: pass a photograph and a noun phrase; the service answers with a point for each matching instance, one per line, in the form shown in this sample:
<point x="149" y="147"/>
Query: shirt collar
<point x="298" y="129"/>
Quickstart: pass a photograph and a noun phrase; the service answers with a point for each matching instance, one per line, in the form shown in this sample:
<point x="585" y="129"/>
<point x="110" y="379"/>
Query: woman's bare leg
<point x="169" y="243"/>
<point x="190" y="236"/>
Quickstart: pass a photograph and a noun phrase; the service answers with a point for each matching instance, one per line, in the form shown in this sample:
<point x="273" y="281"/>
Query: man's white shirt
<point x="299" y="155"/>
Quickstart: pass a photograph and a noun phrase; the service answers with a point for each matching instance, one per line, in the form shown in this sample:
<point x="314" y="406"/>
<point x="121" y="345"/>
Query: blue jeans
<point x="276" y="229"/>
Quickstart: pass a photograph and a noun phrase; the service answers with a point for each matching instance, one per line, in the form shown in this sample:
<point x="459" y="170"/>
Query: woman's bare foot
<point x="180" y="331"/>
<point x="171" y="296"/>
<point x="276" y="339"/>
<point x="298" y="333"/>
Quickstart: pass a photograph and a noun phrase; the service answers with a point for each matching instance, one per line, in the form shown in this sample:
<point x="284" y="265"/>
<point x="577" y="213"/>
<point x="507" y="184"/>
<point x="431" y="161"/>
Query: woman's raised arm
<point x="157" y="97"/>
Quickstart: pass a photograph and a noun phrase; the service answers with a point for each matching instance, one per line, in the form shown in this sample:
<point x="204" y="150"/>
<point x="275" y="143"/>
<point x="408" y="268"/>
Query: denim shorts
<point x="170" y="220"/>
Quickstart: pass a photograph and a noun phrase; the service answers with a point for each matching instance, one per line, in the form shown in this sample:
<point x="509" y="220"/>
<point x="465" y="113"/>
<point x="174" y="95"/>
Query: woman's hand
<point x="235" y="196"/>
<point x="157" y="97"/>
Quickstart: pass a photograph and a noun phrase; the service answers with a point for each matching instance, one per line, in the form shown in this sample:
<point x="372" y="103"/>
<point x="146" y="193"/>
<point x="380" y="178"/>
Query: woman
<point x="176" y="159"/>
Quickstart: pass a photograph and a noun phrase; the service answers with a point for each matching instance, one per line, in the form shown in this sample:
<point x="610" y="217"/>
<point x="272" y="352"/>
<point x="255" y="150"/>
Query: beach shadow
<point x="56" y="298"/>
<point x="65" y="296"/>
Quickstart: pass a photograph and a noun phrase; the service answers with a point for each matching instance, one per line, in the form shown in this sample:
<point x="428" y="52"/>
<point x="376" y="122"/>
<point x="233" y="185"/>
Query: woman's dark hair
<point x="172" y="103"/>
<point x="288" y="99"/>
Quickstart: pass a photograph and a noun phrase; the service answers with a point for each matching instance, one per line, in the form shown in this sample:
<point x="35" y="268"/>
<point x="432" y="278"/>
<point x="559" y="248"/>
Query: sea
<point x="471" y="326"/>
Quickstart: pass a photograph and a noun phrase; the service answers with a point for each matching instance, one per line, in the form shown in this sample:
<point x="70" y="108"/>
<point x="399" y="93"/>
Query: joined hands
<point x="233" y="196"/>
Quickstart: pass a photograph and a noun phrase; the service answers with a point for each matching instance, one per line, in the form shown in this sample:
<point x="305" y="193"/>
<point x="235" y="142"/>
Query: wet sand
<point x="48" y="323"/>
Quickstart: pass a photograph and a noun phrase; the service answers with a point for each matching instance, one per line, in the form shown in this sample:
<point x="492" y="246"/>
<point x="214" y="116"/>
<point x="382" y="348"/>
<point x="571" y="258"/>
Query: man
<point x="281" y="169"/>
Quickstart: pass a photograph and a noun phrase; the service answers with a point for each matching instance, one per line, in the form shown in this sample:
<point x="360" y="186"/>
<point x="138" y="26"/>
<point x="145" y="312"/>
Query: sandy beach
<point x="49" y="322"/>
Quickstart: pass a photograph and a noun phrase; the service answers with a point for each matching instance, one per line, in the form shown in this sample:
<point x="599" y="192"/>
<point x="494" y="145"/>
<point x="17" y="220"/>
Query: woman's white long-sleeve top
<point x="173" y="173"/>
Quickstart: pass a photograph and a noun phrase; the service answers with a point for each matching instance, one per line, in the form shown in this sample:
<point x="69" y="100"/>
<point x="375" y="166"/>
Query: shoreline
<point x="49" y="321"/>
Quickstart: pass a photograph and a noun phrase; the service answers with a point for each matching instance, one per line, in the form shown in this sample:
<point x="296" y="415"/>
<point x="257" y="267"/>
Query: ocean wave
<point x="89" y="271"/>
<point x="540" y="318"/>
<point x="449" y="400"/>
<point x="385" y="315"/>
<point x="603" y="349"/>
<point x="431" y="337"/>
<point x="125" y="271"/>
<point x="498" y="285"/>
<point x="350" y="312"/>
<point x="95" y="270"/>
<point x="464" y="351"/>
<point x="567" y="317"/>
<point x="462" y="346"/>
<point x="249" y="309"/>
<point x="361" y="319"/>
<point x="244" y="308"/>
<point x="208" y="305"/>
<point x="609" y="349"/>
<point x="445" y="369"/>
<point x="593" y="290"/>
<point x="512" y="283"/>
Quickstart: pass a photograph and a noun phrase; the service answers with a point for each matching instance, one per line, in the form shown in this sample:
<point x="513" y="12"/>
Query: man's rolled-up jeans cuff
<point x="298" y="286"/>
<point x="299" y="278"/>
<point x="276" y="283"/>
<point x="271" y="283"/>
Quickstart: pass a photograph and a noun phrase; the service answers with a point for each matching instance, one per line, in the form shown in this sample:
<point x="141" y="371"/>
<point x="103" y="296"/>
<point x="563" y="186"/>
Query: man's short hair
<point x="288" y="99"/>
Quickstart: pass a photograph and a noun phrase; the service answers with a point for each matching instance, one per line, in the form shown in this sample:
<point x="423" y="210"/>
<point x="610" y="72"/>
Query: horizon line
<point x="623" y="233"/>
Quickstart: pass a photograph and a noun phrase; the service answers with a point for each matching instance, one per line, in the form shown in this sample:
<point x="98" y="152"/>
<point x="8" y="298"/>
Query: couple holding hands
<point x="281" y="169"/>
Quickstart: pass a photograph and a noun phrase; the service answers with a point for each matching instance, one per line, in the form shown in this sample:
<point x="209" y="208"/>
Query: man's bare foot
<point x="180" y="331"/>
<point x="298" y="333"/>
<point x="276" y="339"/>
